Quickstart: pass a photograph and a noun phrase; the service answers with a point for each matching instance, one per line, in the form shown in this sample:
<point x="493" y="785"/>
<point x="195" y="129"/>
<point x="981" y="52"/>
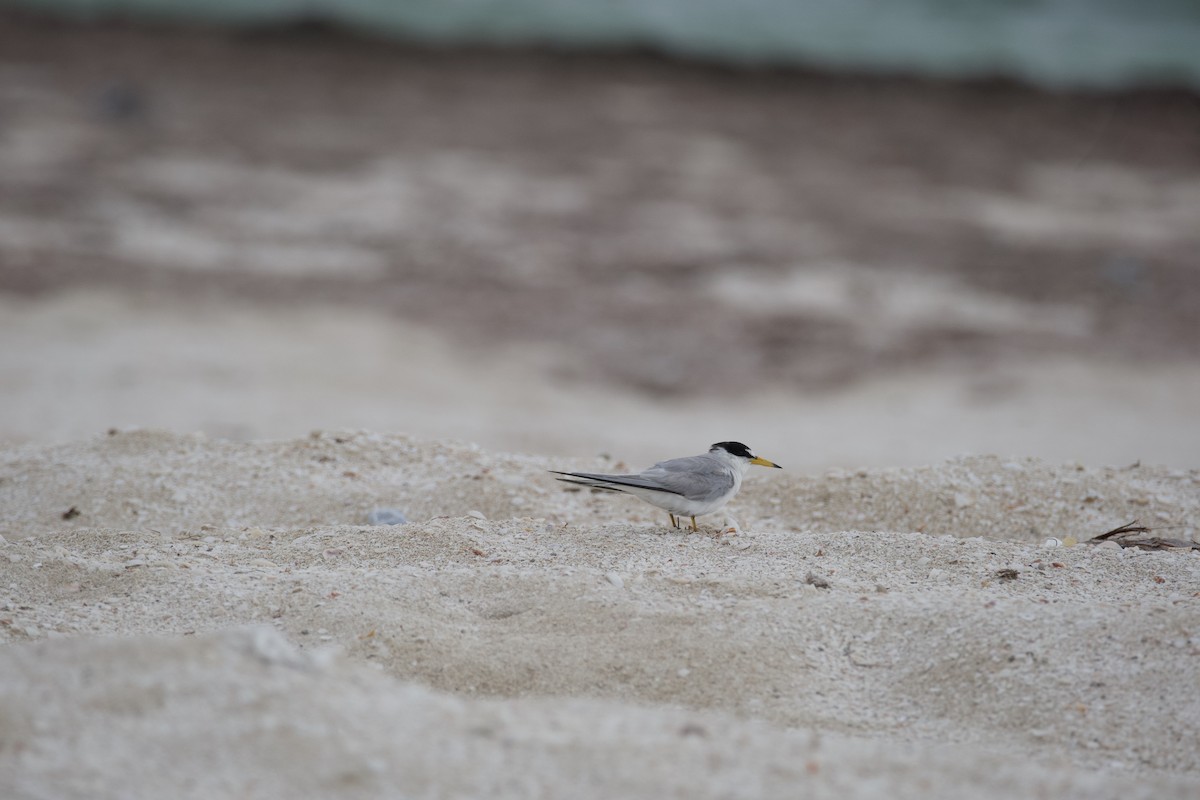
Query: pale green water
<point x="1091" y="43"/>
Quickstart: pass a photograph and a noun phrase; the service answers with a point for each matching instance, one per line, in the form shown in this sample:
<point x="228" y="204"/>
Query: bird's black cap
<point x="734" y="448"/>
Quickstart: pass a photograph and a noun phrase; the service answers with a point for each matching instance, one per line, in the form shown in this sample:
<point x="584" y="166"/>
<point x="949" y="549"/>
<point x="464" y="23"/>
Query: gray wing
<point x="698" y="478"/>
<point x="612" y="483"/>
<point x="694" y="477"/>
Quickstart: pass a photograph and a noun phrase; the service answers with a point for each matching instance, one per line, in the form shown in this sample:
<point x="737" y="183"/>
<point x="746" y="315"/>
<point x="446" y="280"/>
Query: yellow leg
<point x="694" y="524"/>
<point x="674" y="522"/>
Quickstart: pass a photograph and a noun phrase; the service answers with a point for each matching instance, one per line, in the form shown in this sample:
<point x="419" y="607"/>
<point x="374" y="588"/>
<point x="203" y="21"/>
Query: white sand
<point x="569" y="645"/>
<point x="184" y="616"/>
<point x="78" y="363"/>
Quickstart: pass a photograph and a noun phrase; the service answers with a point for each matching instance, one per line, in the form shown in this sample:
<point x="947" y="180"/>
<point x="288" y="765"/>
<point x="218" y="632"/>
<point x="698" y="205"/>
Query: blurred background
<point x="846" y="232"/>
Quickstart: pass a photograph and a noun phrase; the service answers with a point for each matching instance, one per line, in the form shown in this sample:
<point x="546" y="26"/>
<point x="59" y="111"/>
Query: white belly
<point x="682" y="506"/>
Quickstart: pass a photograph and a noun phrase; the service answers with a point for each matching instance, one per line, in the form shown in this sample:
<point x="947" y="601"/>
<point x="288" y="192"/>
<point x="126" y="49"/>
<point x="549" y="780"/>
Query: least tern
<point x="683" y="487"/>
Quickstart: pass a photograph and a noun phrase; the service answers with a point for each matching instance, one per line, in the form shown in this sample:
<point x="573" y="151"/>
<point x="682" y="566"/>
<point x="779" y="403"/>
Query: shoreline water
<point x="1055" y="45"/>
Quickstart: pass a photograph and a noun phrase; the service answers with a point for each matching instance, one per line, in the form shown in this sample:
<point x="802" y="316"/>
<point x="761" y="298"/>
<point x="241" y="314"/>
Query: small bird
<point x="683" y="487"/>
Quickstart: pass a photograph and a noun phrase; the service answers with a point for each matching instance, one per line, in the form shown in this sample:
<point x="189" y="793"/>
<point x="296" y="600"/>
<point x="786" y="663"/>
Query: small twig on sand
<point x="1128" y="536"/>
<point x="1128" y="527"/>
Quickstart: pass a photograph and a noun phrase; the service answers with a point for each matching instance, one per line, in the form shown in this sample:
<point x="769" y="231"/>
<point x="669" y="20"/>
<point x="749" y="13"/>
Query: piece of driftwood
<point x="1132" y="534"/>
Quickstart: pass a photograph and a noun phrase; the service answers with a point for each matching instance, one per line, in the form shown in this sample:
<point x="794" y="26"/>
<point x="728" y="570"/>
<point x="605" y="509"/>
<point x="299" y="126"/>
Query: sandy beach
<point x="891" y="632"/>
<point x="244" y="320"/>
<point x="572" y="255"/>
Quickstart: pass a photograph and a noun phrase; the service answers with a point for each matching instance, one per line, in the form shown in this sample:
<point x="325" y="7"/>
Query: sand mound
<point x="243" y="714"/>
<point x="147" y="479"/>
<point x="859" y="624"/>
